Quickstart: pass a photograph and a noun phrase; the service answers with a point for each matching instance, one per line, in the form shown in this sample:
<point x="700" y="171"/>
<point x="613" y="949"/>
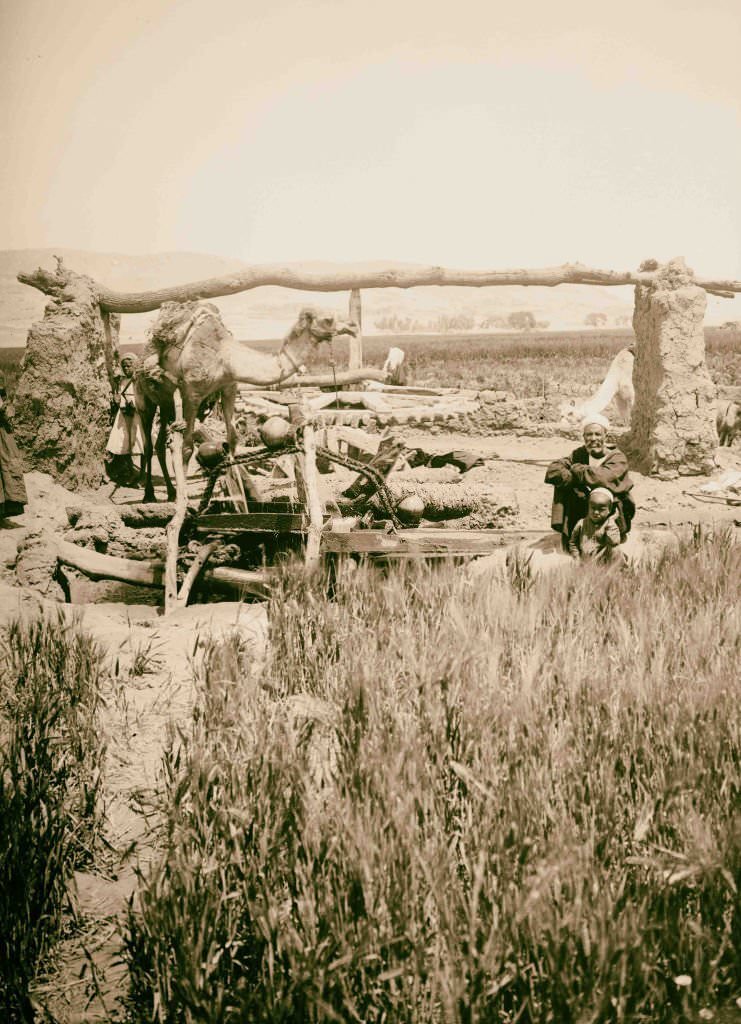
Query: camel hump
<point x="175" y="320"/>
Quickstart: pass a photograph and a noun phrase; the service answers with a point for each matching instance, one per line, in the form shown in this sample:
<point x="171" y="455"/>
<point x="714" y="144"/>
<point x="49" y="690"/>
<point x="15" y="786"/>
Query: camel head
<point x="571" y="415"/>
<point x="321" y="327"/>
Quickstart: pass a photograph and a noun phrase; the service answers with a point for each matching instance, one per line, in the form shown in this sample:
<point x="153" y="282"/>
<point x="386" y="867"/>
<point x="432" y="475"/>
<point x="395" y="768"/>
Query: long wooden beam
<point x="349" y="280"/>
<point x="152" y="574"/>
<point x="422" y="542"/>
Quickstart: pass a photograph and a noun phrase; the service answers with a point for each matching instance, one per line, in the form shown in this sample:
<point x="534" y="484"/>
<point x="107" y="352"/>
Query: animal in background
<point x="394" y="365"/>
<point x="728" y="422"/>
<point x="617" y="386"/>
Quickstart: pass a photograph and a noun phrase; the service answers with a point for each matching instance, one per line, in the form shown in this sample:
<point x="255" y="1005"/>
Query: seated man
<point x="597" y="536"/>
<point x="593" y="464"/>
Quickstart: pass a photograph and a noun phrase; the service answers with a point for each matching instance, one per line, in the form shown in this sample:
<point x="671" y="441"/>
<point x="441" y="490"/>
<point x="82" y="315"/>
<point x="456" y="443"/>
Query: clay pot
<point x="275" y="432"/>
<point x="410" y="510"/>
<point x="210" y="453"/>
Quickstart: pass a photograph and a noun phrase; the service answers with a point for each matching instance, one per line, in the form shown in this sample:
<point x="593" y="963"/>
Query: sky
<point x="473" y="133"/>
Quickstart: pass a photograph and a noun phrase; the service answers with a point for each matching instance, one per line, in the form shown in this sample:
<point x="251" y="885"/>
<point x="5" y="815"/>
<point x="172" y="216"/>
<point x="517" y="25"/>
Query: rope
<point x="386" y="498"/>
<point x="523" y="462"/>
<point x="710" y="498"/>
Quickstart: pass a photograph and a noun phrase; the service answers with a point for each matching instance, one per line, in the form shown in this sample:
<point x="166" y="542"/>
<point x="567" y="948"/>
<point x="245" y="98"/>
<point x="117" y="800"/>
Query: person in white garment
<point x="125" y="447"/>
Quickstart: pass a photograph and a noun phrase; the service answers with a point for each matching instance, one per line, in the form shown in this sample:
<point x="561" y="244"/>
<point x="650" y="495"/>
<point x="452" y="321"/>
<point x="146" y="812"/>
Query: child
<point x="597" y="535"/>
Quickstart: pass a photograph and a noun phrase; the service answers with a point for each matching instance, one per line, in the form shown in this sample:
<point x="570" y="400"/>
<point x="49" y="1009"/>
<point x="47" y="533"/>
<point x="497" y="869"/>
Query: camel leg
<point x="623" y="407"/>
<point x="147" y="418"/>
<point x="228" y="401"/>
<point x="161" y="448"/>
<point x="190" y="410"/>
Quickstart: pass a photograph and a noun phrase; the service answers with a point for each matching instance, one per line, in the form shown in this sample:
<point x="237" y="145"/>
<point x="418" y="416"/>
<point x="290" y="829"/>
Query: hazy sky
<point x="471" y="133"/>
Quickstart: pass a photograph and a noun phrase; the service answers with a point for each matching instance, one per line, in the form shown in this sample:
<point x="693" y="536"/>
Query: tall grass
<point x="527" y="807"/>
<point x="50" y="759"/>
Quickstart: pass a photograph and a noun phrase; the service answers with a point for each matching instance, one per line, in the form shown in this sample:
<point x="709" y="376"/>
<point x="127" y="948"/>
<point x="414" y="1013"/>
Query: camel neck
<point x="289" y="357"/>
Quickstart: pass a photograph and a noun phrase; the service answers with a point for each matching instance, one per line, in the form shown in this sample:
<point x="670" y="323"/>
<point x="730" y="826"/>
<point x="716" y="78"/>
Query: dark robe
<point x="12" y="488"/>
<point x="573" y="478"/>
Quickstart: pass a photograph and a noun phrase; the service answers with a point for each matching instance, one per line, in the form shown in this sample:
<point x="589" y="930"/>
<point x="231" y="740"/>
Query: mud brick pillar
<point x="673" y="424"/>
<point x="62" y="400"/>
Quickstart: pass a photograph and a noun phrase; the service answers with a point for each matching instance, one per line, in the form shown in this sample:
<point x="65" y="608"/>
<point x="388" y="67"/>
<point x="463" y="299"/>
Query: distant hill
<point x="268" y="312"/>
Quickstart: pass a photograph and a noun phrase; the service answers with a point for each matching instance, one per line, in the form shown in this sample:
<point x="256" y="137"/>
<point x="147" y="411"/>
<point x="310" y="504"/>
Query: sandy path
<point x="140" y="709"/>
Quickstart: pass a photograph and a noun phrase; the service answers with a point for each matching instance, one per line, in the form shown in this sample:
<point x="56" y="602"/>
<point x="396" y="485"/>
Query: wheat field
<point x="509" y="800"/>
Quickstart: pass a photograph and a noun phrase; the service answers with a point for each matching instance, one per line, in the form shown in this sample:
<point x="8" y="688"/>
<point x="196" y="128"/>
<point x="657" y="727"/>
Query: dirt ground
<point x="518" y="465"/>
<point x="151" y="664"/>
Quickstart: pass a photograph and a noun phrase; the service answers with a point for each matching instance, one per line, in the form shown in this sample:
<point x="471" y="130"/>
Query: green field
<point x="527" y="364"/>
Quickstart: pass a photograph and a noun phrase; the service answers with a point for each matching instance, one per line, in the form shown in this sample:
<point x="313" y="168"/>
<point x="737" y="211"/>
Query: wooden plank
<point x="253" y="522"/>
<point x="421" y="542"/>
<point x="353" y="437"/>
<point x="276" y="397"/>
<point x="252" y="403"/>
<point x="410" y="389"/>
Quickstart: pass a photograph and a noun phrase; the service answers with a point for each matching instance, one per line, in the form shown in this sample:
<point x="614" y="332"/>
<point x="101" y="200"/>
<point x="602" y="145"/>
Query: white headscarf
<point x="595" y="418"/>
<point x="602" y="492"/>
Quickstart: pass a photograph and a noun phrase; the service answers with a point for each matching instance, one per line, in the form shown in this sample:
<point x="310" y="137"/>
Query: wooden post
<point x="172" y="533"/>
<point x="111" y="326"/>
<point x="356" y="343"/>
<point x="202" y="556"/>
<point x="307" y="482"/>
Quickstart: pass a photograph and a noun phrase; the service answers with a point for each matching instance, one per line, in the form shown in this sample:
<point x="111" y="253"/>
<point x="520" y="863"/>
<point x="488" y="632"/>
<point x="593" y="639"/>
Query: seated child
<point x="597" y="535"/>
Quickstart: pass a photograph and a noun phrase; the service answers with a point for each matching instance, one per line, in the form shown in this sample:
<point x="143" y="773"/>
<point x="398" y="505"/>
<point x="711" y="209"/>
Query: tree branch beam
<point x="349" y="280"/>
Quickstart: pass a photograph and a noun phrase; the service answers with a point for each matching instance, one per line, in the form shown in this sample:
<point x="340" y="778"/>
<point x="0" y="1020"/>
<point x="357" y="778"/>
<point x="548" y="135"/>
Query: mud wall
<point x="62" y="400"/>
<point x="673" y="423"/>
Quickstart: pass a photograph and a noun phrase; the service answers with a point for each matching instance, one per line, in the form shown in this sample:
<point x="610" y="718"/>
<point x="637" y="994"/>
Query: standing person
<point x="593" y="464"/>
<point x="13" y="496"/>
<point x="125" y="447"/>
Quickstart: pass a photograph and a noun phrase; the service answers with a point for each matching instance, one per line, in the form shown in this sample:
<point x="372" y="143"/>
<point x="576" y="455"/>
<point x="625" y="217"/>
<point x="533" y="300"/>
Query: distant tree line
<point x="520" y="320"/>
<point x="600" y="320"/>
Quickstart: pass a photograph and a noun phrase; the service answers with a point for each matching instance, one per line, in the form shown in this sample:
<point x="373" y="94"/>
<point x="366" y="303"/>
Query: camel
<point x="617" y="385"/>
<point x="728" y="422"/>
<point x="190" y="349"/>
